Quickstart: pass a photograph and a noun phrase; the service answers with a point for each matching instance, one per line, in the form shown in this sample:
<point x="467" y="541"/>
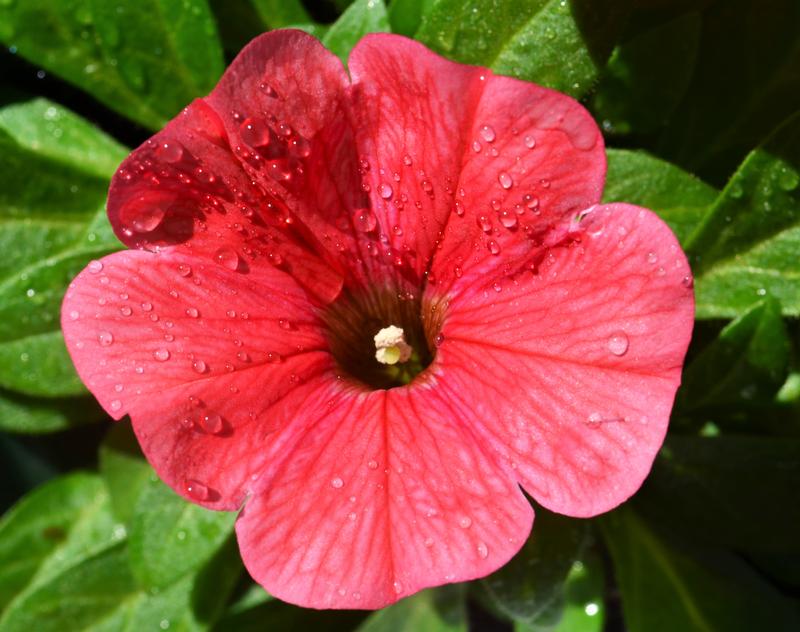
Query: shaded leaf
<point x="33" y="415"/>
<point x="434" y="610"/>
<point x="405" y="16"/>
<point x="679" y="198"/>
<point x="666" y="588"/>
<point x="280" y="13"/>
<point x="146" y="60"/>
<point x="124" y="470"/>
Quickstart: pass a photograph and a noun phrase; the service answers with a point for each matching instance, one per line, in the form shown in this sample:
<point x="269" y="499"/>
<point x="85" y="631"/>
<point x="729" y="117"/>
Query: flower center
<point x="403" y="346"/>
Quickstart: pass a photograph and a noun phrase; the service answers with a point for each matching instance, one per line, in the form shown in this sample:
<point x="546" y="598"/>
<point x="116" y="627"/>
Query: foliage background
<point x="698" y="101"/>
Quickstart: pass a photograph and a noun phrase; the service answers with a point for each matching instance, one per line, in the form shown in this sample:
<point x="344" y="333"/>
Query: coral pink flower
<point x="285" y="227"/>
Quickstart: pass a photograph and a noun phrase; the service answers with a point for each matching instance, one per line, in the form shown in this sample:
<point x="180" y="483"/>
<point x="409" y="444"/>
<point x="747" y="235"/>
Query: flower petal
<point x="378" y="495"/>
<point x="197" y="357"/>
<point x="584" y="358"/>
<point x="453" y="147"/>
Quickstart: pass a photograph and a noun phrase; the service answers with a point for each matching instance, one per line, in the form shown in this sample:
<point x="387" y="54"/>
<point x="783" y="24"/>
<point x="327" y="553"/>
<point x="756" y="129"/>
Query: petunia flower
<point x="372" y="309"/>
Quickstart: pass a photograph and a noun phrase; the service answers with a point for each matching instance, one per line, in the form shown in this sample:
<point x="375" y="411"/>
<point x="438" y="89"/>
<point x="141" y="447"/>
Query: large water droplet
<point x="483" y="550"/>
<point x="337" y="483"/>
<point x="162" y="355"/>
<point x="227" y="258"/>
<point x="618" y="343"/>
<point x="105" y="338"/>
<point x="508" y="219"/>
<point x="95" y="266"/>
<point x="493" y="247"/>
<point x="465" y="522"/>
<point x="196" y="490"/>
<point x="211" y="423"/>
<point x="199" y="366"/>
<point x="505" y="180"/>
<point x="169" y="152"/>
<point x="254" y="132"/>
<point x="192" y="312"/>
<point x="385" y="190"/>
<point x="487" y="133"/>
<point x="530" y="142"/>
<point x="364" y="220"/>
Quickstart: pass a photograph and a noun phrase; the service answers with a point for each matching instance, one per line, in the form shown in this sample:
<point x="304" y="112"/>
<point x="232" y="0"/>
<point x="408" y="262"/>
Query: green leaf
<point x="124" y="470"/>
<point x="280" y="13"/>
<point x="54" y="528"/>
<point x="435" y="610"/>
<point x="145" y="60"/>
<point x="665" y="588"/>
<point x="405" y="16"/>
<point x="647" y="77"/>
<point x="679" y="198"/>
<point x="170" y="537"/>
<point x="360" y="18"/>
<point x="746" y="365"/>
<point x="734" y="491"/>
<point x="559" y="44"/>
<point x="747" y="245"/>
<point x="531" y="585"/>
<point x="54" y="172"/>
<point x="34" y="415"/>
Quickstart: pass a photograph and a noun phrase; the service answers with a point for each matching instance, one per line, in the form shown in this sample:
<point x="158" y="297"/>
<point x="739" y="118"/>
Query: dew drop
<point x="243" y="356"/>
<point x="254" y="132"/>
<point x="284" y="324"/>
<point x="147" y="307"/>
<point x="508" y="219"/>
<point x="169" y="152"/>
<point x="483" y="550"/>
<point x="211" y="423"/>
<point x="465" y="522"/>
<point x="184" y="270"/>
<point x="398" y="587"/>
<point x="385" y="190"/>
<point x="476" y="146"/>
<point x="95" y="266"/>
<point x="373" y="465"/>
<point x="105" y="338"/>
<point x="74" y="315"/>
<point x="493" y="247"/>
<point x="162" y="355"/>
<point x="485" y="224"/>
<point x="652" y="257"/>
<point x="407" y="160"/>
<point x="618" y="343"/>
<point x="364" y="220"/>
<point x="147" y="219"/>
<point x="268" y="90"/>
<point x="337" y="483"/>
<point x="299" y="147"/>
<point x="125" y="310"/>
<point x="115" y="405"/>
<point x="192" y="312"/>
<point x="227" y="258"/>
<point x="505" y="180"/>
<point x="196" y="490"/>
<point x="687" y="281"/>
<point x="530" y="142"/>
<point x="487" y="133"/>
<point x="199" y="366"/>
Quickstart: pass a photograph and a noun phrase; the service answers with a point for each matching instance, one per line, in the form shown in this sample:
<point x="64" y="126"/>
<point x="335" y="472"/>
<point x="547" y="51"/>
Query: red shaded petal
<point x="376" y="496"/>
<point x="197" y="356"/>
<point x="584" y="357"/>
<point x="450" y="144"/>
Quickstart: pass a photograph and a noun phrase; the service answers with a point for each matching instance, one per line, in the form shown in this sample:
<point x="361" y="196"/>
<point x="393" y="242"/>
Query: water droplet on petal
<point x="162" y="355"/>
<point x="169" y="152"/>
<point x="530" y="142"/>
<point x="147" y="218"/>
<point x="398" y="587"/>
<point x="385" y="190"/>
<point x="74" y="315"/>
<point x="115" y="405"/>
<point x="105" y="338"/>
<point x="192" y="312"/>
<point x="95" y="266"/>
<point x="505" y="180"/>
<point x="227" y="258"/>
<point x="508" y="219"/>
<point x="196" y="490"/>
<point x="184" y="270"/>
<point x="465" y="522"/>
<point x="487" y="133"/>
<point x="687" y="281"/>
<point x="483" y="550"/>
<point x="364" y="220"/>
<point x="199" y="366"/>
<point x="493" y="247"/>
<point x="618" y="343"/>
<point x="652" y="257"/>
<point x="299" y="147"/>
<point x="254" y="132"/>
<point x="373" y="465"/>
<point x="337" y="483"/>
<point x="211" y="423"/>
<point x="125" y="310"/>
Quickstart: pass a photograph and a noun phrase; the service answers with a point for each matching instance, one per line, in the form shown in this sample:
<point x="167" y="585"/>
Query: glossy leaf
<point x="647" y="77"/>
<point x="169" y="537"/>
<point x="54" y="170"/>
<point x="558" y="44"/>
<point x="54" y="528"/>
<point x="533" y="581"/>
<point x="405" y="16"/>
<point x="747" y="245"/>
<point x="145" y="60"/>
<point x="679" y="198"/>
<point x="360" y="18"/>
<point x="666" y="588"/>
<point x="747" y="364"/>
<point x="730" y="488"/>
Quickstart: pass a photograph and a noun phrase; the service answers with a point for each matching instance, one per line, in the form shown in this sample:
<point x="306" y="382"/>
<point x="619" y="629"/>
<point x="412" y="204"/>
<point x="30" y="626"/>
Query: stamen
<point x="391" y="346"/>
